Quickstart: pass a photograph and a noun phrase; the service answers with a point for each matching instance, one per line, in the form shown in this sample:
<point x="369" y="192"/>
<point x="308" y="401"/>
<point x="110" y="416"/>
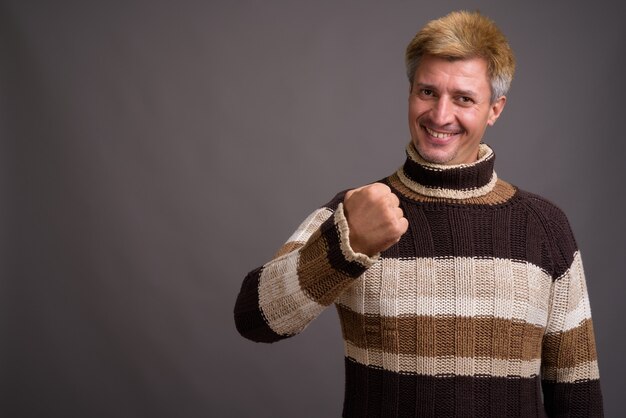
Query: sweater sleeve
<point x="280" y="298"/>
<point x="569" y="364"/>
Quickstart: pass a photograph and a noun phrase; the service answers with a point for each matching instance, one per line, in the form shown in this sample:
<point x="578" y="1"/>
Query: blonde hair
<point x="465" y="35"/>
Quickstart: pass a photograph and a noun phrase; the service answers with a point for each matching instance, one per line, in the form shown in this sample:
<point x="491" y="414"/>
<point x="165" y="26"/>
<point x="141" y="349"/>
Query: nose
<point x="442" y="112"/>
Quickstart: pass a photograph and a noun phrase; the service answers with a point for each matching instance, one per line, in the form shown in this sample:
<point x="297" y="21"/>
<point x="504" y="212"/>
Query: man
<point x="458" y="293"/>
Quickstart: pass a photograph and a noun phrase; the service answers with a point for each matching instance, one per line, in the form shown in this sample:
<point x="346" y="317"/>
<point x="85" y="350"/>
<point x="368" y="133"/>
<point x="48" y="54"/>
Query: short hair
<point x="465" y="35"/>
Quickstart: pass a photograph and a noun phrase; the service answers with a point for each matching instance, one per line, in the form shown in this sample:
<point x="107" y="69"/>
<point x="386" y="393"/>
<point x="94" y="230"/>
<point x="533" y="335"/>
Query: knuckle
<point x="380" y="188"/>
<point x="400" y="226"/>
<point x="405" y="225"/>
<point x="383" y="188"/>
<point x="389" y="214"/>
<point x="365" y="191"/>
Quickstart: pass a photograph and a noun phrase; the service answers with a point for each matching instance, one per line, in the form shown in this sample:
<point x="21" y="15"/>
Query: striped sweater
<point x="479" y="310"/>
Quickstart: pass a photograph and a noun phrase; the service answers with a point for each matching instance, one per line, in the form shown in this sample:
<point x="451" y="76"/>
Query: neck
<point x="461" y="181"/>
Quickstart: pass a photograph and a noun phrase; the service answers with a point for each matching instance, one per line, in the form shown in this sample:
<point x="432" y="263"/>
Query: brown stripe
<point x="313" y="263"/>
<point x="428" y="336"/>
<point x="500" y="193"/>
<point x="288" y="247"/>
<point x="570" y="348"/>
<point x="317" y="277"/>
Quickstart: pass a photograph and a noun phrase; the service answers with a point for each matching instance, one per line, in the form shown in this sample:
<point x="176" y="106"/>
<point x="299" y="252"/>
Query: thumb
<point x="351" y="192"/>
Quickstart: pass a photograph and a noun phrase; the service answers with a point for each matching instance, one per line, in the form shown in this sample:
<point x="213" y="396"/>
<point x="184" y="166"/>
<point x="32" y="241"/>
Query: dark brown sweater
<point x="480" y="307"/>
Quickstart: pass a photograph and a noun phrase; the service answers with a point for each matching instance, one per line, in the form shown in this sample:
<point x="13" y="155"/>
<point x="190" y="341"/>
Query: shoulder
<point x="542" y="207"/>
<point x="561" y="242"/>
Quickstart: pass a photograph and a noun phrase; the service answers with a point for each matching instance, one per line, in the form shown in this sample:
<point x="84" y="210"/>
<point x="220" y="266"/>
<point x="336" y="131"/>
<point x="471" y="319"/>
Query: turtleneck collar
<point x="461" y="181"/>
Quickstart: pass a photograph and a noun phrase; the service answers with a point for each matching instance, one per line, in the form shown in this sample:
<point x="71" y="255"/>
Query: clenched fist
<point x="375" y="218"/>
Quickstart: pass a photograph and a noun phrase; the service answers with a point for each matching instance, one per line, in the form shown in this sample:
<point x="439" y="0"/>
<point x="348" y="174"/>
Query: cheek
<point x="412" y="117"/>
<point x="415" y="110"/>
<point x="472" y="118"/>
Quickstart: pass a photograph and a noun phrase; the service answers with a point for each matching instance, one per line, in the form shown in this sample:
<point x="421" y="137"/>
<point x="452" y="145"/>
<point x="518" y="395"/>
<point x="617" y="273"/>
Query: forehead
<point x="462" y="74"/>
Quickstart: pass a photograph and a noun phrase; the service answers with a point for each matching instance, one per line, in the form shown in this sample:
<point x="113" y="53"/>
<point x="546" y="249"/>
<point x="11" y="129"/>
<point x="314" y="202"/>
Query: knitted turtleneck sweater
<point x="479" y="308"/>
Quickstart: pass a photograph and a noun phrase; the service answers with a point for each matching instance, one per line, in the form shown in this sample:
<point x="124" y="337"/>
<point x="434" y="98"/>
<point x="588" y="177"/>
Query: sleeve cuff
<point x="344" y="241"/>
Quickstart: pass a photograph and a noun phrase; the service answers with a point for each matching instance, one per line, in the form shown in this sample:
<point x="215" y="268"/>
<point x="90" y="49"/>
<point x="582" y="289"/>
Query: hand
<point x="375" y="218"/>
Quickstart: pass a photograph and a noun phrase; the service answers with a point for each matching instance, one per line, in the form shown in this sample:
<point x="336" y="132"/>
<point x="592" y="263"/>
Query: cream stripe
<point x="389" y="303"/>
<point x="447" y="193"/>
<point x="465" y="309"/>
<point x="571" y="320"/>
<point x="287" y="309"/>
<point x="588" y="370"/>
<point x="570" y="302"/>
<point x="430" y="286"/>
<point x="577" y="316"/>
<point x="576" y="274"/>
<point x="434" y="366"/>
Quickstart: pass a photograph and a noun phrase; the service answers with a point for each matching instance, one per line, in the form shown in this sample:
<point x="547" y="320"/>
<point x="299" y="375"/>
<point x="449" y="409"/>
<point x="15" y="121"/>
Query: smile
<point x="439" y="135"/>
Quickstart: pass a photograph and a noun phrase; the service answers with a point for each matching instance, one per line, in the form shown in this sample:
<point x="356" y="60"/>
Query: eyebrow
<point x="468" y="93"/>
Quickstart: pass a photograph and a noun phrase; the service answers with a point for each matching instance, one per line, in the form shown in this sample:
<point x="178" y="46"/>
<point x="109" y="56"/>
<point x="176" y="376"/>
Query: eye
<point x="465" y="100"/>
<point x="425" y="93"/>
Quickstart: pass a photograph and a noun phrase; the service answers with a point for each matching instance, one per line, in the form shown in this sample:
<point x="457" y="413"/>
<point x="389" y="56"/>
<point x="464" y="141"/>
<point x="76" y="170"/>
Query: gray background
<point x="153" y="152"/>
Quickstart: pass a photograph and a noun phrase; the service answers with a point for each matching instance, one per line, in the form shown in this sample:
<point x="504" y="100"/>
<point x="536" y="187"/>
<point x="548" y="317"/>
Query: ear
<point x="496" y="109"/>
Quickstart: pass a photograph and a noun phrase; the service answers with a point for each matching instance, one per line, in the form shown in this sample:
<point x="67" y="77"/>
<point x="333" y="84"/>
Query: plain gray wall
<point x="153" y="152"/>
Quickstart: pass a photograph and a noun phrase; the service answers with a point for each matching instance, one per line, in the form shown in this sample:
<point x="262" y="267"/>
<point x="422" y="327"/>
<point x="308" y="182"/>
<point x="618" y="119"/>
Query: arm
<point x="281" y="298"/>
<point x="570" y="376"/>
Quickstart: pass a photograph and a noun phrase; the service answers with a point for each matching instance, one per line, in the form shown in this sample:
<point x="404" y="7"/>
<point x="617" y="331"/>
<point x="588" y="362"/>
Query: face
<point x="450" y="108"/>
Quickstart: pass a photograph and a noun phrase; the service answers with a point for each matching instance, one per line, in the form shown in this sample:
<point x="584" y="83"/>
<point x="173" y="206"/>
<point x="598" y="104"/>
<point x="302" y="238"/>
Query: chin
<point x="435" y="156"/>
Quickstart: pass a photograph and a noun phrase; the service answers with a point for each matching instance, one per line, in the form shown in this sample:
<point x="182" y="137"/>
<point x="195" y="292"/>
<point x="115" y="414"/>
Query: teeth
<point x="439" y="135"/>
